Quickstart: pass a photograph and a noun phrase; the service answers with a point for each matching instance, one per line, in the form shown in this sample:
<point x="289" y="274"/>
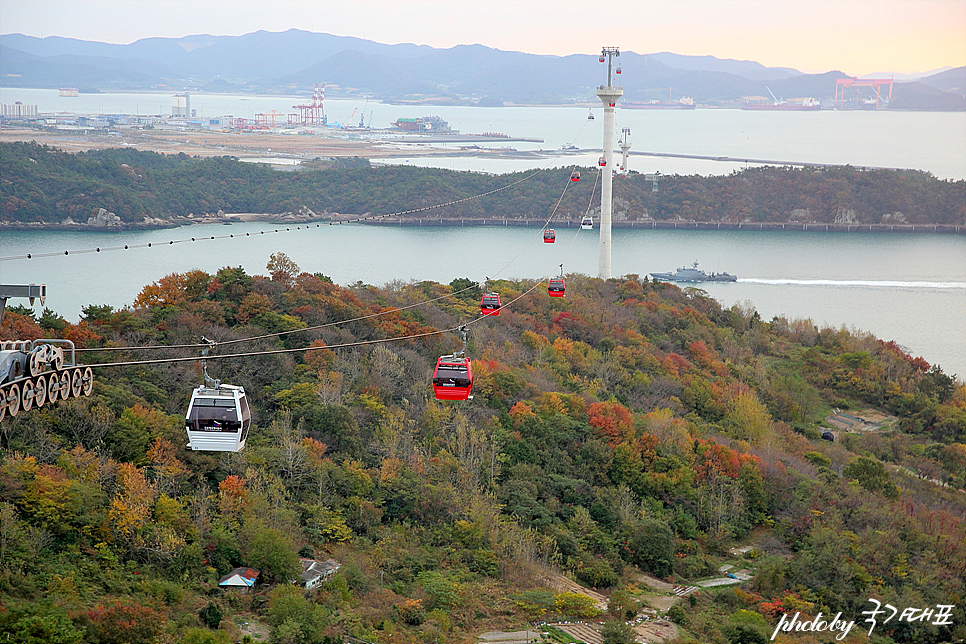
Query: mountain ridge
<point x="296" y="60"/>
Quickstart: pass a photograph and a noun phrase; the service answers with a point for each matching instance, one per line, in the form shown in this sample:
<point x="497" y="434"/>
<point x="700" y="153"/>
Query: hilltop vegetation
<point x="43" y="184"/>
<point x="631" y="426"/>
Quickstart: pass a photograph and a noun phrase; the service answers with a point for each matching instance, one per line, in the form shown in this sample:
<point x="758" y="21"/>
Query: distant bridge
<point x="804" y="164"/>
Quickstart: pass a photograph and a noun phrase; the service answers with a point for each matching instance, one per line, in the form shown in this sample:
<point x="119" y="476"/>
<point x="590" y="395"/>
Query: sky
<point x="857" y="37"/>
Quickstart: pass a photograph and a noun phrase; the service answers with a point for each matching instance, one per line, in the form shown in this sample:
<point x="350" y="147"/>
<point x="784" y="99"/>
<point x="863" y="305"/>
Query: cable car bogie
<point x="39" y="372"/>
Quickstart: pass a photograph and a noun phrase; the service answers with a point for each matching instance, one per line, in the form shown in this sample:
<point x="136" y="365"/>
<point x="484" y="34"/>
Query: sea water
<point x="910" y="288"/>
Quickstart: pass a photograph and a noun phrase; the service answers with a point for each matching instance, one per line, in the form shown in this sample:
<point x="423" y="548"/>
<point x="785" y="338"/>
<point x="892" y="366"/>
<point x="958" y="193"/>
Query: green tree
<point x="41" y="626"/>
<point x="617" y="632"/>
<point x="651" y="546"/>
<point x="293" y="618"/>
<point x="210" y="616"/>
<point x="270" y="551"/>
<point x="746" y="627"/>
<point x="872" y="476"/>
<point x="466" y="289"/>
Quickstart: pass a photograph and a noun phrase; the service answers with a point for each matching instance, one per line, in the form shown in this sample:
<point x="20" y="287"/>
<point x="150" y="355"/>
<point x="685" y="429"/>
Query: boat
<point x="424" y="125"/>
<point x="782" y="107"/>
<point x="692" y="274"/>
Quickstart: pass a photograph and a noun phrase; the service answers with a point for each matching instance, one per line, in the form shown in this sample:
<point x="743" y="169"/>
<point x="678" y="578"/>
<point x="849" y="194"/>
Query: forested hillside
<point x="631" y="426"/>
<point x="43" y="184"/>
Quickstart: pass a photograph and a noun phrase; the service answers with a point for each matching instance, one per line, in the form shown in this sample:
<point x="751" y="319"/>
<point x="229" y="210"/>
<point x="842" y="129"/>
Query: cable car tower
<point x="608" y="94"/>
<point x="625" y="144"/>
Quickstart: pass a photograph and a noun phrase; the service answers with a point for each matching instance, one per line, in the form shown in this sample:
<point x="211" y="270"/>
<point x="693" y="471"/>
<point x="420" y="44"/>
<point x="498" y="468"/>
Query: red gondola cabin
<point x="575" y="176"/>
<point x="453" y="378"/>
<point x="549" y="236"/>
<point x="490" y="304"/>
<point x="602" y="161"/>
<point x="557" y="287"/>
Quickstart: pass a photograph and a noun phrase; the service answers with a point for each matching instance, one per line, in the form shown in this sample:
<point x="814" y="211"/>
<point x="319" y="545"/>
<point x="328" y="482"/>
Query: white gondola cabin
<point x="218" y="419"/>
<point x="587" y="223"/>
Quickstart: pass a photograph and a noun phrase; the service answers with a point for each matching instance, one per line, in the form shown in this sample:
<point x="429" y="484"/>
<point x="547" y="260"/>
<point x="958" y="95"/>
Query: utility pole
<point x="608" y="93"/>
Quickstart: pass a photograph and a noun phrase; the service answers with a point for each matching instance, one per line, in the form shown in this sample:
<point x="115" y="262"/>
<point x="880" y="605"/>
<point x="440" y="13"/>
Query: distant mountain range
<point x="294" y="61"/>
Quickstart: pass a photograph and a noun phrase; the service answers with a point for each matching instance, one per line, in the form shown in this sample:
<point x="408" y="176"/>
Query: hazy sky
<point x="857" y="37"/>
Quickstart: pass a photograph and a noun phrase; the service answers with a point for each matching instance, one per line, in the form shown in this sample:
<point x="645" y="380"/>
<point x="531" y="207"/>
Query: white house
<point x="315" y="572"/>
<point x="239" y="578"/>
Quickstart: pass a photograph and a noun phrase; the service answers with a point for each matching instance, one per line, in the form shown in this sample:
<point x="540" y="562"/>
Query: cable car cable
<point x="546" y="223"/>
<point x="271" y="351"/>
<point x="364" y="317"/>
<point x="281" y="333"/>
<point x="316" y="327"/>
<point x="276" y="230"/>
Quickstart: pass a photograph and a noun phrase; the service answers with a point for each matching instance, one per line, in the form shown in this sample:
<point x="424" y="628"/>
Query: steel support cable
<point x="330" y="324"/>
<point x="281" y="333"/>
<point x="276" y="230"/>
<point x="364" y="317"/>
<point x="545" y="224"/>
<point x="566" y="252"/>
<point x="304" y="349"/>
<point x="271" y="351"/>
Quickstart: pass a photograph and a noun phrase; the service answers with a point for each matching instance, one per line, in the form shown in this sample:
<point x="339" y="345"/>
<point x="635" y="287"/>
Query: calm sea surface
<point x="907" y="288"/>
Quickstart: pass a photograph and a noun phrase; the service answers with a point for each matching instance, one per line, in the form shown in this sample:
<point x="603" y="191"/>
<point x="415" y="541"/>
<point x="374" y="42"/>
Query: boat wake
<point x="868" y="283"/>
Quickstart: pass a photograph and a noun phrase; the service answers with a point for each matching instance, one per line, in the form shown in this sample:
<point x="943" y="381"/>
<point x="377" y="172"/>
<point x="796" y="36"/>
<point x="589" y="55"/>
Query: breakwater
<point x="947" y="229"/>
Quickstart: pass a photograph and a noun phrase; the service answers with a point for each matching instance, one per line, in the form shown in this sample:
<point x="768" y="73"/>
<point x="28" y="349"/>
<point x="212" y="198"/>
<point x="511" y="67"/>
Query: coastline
<point x="335" y="218"/>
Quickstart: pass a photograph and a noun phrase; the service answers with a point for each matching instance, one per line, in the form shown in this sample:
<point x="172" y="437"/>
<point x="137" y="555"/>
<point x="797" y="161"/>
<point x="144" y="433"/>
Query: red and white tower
<point x="312" y="113"/>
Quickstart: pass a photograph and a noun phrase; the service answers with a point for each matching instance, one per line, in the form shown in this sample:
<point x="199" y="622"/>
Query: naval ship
<point x="692" y="274"/>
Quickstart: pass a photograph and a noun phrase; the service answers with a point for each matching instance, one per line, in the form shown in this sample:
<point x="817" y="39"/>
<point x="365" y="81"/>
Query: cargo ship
<point x="424" y="125"/>
<point x="797" y="105"/>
